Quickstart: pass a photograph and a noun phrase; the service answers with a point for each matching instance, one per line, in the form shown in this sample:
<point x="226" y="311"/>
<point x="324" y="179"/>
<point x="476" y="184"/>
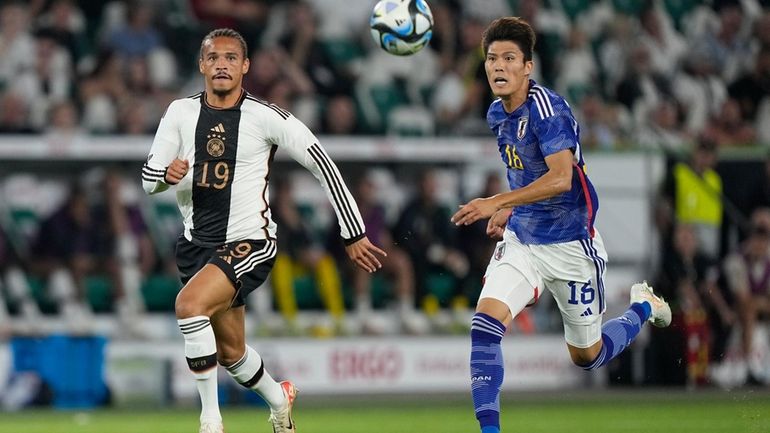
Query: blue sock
<point x="618" y="333"/>
<point x="486" y="370"/>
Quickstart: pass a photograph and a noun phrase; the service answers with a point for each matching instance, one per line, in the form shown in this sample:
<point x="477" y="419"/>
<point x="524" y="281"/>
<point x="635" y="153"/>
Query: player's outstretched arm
<point x="364" y="254"/>
<point x="557" y="180"/>
<point x="474" y="210"/>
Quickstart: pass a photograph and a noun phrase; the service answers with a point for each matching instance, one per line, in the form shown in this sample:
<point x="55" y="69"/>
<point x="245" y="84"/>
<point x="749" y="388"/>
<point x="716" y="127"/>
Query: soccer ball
<point x="401" y="27"/>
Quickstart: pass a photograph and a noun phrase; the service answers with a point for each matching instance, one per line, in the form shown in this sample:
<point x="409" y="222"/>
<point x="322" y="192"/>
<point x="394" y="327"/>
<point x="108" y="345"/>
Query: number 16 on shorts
<point x="582" y="296"/>
<point x="581" y="293"/>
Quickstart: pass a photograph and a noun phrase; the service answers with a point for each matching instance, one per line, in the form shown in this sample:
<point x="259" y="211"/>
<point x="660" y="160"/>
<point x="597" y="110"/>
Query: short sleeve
<point x="556" y="133"/>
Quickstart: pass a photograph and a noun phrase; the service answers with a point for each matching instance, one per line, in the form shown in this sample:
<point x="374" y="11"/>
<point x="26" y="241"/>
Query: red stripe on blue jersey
<point x="589" y="201"/>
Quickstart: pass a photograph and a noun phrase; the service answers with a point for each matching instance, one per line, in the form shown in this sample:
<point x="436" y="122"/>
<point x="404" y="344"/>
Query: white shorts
<point x="572" y="271"/>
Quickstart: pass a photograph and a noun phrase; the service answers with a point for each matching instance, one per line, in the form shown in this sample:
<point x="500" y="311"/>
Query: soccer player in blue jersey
<point x="546" y="223"/>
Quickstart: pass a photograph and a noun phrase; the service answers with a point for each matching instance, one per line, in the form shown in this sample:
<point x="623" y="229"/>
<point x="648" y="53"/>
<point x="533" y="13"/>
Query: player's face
<point x="223" y="65"/>
<point x="507" y="71"/>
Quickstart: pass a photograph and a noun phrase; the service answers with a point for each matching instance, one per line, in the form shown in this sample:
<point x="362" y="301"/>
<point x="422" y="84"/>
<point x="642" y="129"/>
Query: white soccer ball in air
<point x="401" y="27"/>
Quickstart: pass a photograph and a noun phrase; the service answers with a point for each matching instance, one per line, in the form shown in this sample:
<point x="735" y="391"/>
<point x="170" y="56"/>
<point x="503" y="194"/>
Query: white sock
<point x="251" y="373"/>
<point x="200" y="349"/>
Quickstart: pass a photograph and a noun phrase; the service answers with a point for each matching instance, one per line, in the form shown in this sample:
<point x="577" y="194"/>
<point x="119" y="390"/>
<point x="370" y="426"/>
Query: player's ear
<point x="200" y="65"/>
<point x="528" y="65"/>
<point x="245" y="67"/>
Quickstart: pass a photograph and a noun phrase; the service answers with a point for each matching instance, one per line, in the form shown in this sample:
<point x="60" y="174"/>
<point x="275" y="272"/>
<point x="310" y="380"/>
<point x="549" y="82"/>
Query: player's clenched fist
<point x="176" y="171"/>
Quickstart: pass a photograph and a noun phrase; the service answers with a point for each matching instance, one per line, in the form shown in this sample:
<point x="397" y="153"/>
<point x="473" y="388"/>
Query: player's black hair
<point x="225" y="33"/>
<point x="512" y="29"/>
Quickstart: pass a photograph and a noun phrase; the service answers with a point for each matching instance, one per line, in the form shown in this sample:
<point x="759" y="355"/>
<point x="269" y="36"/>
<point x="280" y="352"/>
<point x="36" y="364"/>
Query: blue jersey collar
<point x="497" y="114"/>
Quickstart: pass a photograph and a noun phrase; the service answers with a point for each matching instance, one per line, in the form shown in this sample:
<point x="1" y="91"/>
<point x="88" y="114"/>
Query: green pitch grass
<point x="740" y="411"/>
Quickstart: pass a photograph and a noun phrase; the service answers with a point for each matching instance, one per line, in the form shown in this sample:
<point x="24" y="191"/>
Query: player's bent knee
<point x="187" y="306"/>
<point x="494" y="308"/>
<point x="584" y="357"/>
<point x="582" y="361"/>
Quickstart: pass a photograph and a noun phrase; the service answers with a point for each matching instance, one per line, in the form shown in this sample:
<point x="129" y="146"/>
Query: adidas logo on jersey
<point x="587" y="312"/>
<point x="219" y="128"/>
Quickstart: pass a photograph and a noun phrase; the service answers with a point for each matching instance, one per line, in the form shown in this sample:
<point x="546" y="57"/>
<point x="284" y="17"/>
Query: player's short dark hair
<point x="225" y="33"/>
<point x="512" y="29"/>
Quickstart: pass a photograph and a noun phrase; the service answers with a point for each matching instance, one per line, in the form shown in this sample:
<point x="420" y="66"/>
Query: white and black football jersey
<point x="224" y="196"/>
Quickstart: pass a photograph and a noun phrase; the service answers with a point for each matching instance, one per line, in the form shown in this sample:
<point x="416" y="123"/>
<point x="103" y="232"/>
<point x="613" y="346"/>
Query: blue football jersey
<point x="541" y="126"/>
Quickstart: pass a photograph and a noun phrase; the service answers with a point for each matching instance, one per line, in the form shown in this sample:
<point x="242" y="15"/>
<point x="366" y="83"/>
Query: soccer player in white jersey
<point x="217" y="148"/>
<point x="546" y="224"/>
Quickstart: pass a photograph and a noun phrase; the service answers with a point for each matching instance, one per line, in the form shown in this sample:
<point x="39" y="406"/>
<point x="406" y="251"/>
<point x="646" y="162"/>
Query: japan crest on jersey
<point x="500" y="251"/>
<point x="521" y="130"/>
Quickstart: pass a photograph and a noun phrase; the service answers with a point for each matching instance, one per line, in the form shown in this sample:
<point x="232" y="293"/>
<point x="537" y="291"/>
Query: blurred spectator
<point x="102" y="91"/>
<point x="729" y="129"/>
<point x="17" y="293"/>
<point x="305" y="49"/>
<point x="71" y="245"/>
<point x="397" y="267"/>
<point x="748" y="275"/>
<point x="724" y="43"/>
<point x="603" y="126"/>
<point x="53" y="67"/>
<point x="759" y="195"/>
<point x="462" y="95"/>
<point x="700" y="89"/>
<point x="67" y="25"/>
<point x="660" y="38"/>
<point x="692" y="194"/>
<point x="752" y="91"/>
<point x="445" y="39"/>
<point x="423" y="229"/>
<point x="139" y="111"/>
<point x="664" y="130"/>
<point x="92" y="242"/>
<point x="275" y="78"/>
<point x="761" y="33"/>
<point x="702" y="316"/>
<point x="551" y="30"/>
<point x="134" y="119"/>
<point x="641" y="89"/>
<point x="131" y="246"/>
<point x="248" y="16"/>
<point x="340" y="116"/>
<point x="53" y="81"/>
<point x="14" y="114"/>
<point x="613" y="54"/>
<point x="63" y="122"/>
<point x="578" y="69"/>
<point x="137" y="37"/>
<point x="138" y="77"/>
<point x="16" y="48"/>
<point x="299" y="253"/>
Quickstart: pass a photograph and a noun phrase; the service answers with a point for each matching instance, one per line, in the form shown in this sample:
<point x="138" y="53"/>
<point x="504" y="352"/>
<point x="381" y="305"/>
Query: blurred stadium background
<point x="659" y="88"/>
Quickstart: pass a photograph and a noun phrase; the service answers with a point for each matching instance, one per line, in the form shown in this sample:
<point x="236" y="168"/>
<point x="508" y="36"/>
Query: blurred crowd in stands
<point x="690" y="78"/>
<point x="654" y="73"/>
